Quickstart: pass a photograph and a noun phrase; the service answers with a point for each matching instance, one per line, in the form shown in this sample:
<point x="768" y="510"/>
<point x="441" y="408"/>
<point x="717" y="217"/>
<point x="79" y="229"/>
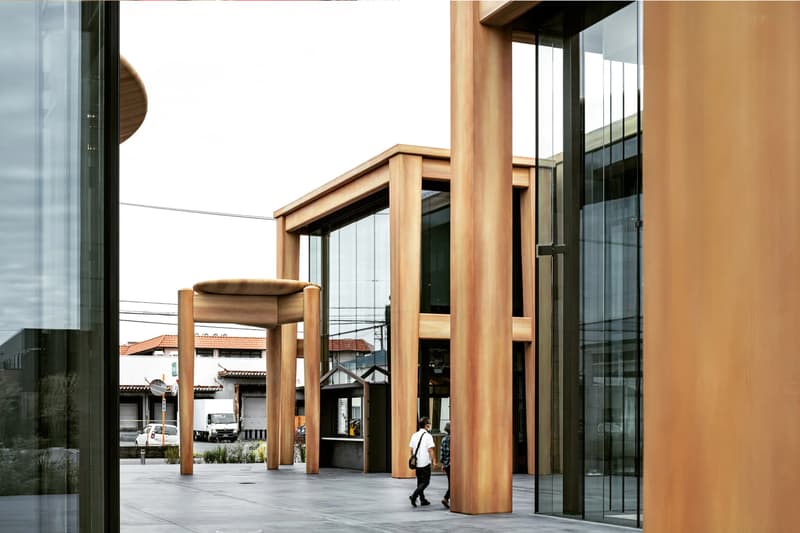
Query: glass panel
<point x="550" y="359"/>
<point x="610" y="263"/>
<point x="342" y="419"/>
<point x="356" y="312"/>
<point x="434" y="385"/>
<point x="435" y="256"/>
<point x="550" y="140"/>
<point x="54" y="394"/>
<point x="589" y="54"/>
<point x="315" y="259"/>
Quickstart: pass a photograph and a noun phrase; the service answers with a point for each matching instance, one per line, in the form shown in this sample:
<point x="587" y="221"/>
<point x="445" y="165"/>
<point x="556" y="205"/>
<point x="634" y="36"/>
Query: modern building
<point x="664" y="354"/>
<point x="566" y="267"/>
<point x="715" y="289"/>
<point x="379" y="245"/>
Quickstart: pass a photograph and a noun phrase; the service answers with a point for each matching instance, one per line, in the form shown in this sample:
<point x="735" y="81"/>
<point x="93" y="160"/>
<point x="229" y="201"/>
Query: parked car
<point x="151" y="435"/>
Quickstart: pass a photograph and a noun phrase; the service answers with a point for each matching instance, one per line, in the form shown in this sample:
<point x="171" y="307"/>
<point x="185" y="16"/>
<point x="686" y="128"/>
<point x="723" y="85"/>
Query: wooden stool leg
<point x="273" y="397"/>
<point x="186" y="378"/>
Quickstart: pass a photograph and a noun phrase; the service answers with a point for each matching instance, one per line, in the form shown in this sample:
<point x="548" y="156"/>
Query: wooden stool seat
<point x="251" y="287"/>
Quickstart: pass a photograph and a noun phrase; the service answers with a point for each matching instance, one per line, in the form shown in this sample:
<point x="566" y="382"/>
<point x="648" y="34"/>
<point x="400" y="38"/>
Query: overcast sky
<point x="253" y="104"/>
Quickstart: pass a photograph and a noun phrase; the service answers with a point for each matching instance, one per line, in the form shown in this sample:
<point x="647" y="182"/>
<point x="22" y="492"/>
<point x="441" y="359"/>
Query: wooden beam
<point x="314" y="201"/>
<point x="186" y="378"/>
<point x="339" y="198"/>
<point x="364" y="168"/>
<point x="502" y="12"/>
<point x="480" y="264"/>
<point x="311" y="365"/>
<point x="437" y="326"/>
<point x="260" y="311"/>
<point x="273" y="397"/>
<point x="434" y="326"/>
<point x="288" y="267"/>
<point x="528" y="237"/>
<point x="405" y="230"/>
<point x="721" y="262"/>
<point x="439" y="170"/>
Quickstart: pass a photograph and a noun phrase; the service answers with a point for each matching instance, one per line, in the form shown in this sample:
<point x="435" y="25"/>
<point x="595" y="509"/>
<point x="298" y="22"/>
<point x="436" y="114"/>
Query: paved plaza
<point x="246" y="498"/>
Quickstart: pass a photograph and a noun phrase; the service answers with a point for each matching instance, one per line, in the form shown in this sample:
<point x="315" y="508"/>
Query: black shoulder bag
<point x="412" y="461"/>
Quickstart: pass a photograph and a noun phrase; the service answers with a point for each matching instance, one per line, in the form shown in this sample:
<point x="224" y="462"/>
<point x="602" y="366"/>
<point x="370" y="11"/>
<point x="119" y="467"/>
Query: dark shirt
<point x="445" y="452"/>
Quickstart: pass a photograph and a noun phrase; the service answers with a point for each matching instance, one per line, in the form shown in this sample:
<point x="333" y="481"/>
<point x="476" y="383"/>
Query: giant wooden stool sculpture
<point x="266" y="303"/>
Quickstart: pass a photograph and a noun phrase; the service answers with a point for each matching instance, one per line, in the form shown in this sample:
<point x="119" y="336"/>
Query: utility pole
<point x="163" y="412"/>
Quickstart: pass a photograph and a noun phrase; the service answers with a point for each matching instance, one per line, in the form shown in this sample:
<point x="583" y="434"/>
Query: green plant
<point x="236" y="453"/>
<point x="172" y="455"/>
<point x="216" y="455"/>
<point x="261" y="452"/>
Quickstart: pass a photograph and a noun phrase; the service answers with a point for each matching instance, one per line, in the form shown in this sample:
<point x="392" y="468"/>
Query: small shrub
<point x="172" y="455"/>
<point x="216" y="455"/>
<point x="236" y="453"/>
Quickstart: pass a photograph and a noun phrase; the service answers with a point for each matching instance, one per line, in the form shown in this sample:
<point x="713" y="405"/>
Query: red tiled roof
<point x="146" y="388"/>
<point x="242" y="374"/>
<point x="200" y="341"/>
<point x="232" y="343"/>
<point x="349" y="345"/>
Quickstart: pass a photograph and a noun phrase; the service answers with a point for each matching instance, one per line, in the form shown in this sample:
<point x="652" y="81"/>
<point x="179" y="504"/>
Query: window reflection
<point x="53" y="274"/>
<point x="589" y="393"/>
<point x="358" y="296"/>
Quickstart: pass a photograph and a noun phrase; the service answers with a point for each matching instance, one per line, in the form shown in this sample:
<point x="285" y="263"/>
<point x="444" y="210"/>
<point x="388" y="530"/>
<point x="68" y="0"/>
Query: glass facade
<point x="435" y="255"/>
<point x="351" y="263"/>
<point x="434" y="355"/>
<point x="589" y="327"/>
<point x="58" y="273"/>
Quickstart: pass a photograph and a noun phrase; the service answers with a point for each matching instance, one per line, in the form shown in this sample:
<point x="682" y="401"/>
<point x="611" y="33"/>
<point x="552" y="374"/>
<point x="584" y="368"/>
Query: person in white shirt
<point x="422" y="444"/>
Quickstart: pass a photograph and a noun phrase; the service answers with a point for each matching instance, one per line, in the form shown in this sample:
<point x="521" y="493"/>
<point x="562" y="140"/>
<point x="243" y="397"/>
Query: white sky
<point x="253" y="104"/>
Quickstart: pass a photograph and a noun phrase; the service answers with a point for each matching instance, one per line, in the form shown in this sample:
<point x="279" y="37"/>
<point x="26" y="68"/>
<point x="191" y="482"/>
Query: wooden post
<point x="721" y="261"/>
<point x="311" y="362"/>
<point x="480" y="264"/>
<point x="405" y="229"/>
<point x="288" y="267"/>
<point x="186" y="378"/>
<point x="273" y="396"/>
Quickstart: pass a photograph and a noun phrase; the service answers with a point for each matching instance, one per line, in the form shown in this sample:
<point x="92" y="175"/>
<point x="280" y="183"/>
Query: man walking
<point x="422" y="446"/>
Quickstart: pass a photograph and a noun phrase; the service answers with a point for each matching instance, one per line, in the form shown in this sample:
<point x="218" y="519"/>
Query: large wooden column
<point x="311" y="361"/>
<point x="186" y="378"/>
<point x="721" y="266"/>
<point x="273" y="396"/>
<point x="405" y="236"/>
<point x="288" y="267"/>
<point x="528" y="236"/>
<point x="480" y="264"/>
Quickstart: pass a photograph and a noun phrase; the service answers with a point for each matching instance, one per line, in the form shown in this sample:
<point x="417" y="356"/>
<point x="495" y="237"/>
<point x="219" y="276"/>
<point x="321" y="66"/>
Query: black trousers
<point x="447" y="494"/>
<point x="423" y="480"/>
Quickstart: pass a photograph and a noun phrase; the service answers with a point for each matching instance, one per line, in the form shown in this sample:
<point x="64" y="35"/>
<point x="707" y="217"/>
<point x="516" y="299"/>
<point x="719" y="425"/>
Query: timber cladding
<point x="721" y="262"/>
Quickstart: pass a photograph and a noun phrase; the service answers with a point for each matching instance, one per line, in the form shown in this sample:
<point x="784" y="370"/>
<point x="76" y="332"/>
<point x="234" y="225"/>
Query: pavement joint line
<point x="160" y="519"/>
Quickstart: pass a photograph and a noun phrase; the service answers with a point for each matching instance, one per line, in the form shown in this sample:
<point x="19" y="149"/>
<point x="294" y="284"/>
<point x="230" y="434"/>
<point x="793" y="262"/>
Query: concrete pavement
<point x="246" y="498"/>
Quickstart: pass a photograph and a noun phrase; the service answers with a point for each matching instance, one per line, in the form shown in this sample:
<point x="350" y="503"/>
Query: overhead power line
<point x="196" y="325"/>
<point x="197" y="211"/>
<point x="148" y="302"/>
